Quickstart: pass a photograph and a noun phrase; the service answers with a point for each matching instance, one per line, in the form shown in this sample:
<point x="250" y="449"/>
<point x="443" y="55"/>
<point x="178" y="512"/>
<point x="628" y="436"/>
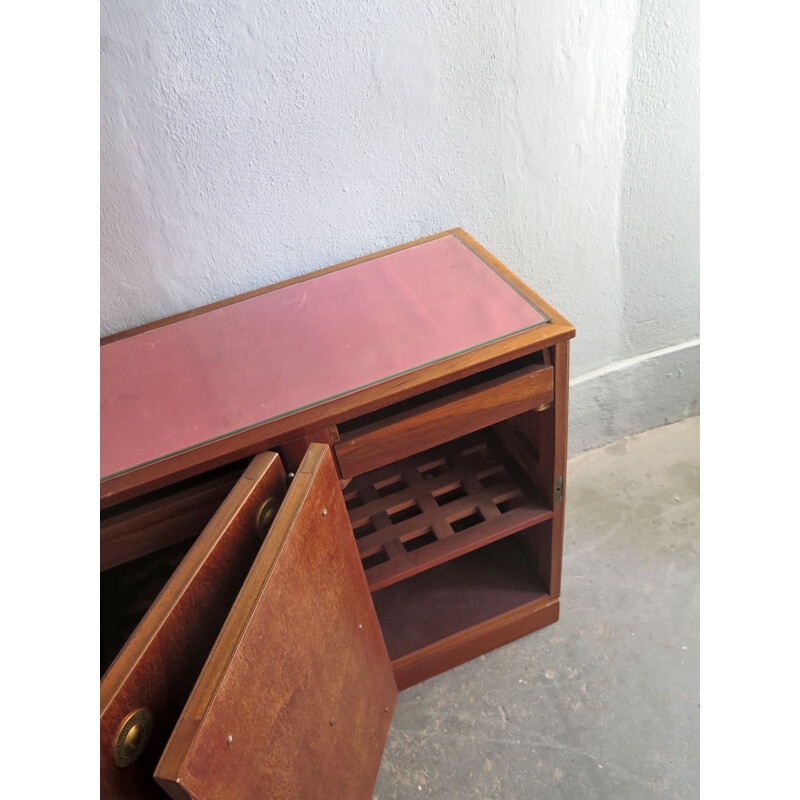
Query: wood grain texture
<point x="559" y="432"/>
<point x="295" y="700"/>
<point x="161" y="523"/>
<point x="537" y="546"/>
<point x="457" y="595"/>
<point x="294" y="450"/>
<point x="474" y="641"/>
<point x="448" y="417"/>
<point x="524" y="451"/>
<point x="128" y="591"/>
<point x="161" y="661"/>
<point x="271" y="434"/>
<point x="437" y="505"/>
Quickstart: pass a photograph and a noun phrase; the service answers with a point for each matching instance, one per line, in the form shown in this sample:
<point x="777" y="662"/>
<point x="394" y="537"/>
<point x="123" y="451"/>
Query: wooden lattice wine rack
<point x="437" y="505"/>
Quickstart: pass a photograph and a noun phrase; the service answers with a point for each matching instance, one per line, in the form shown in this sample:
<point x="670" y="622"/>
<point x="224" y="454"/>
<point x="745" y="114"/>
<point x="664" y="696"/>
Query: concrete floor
<point x="605" y="703"/>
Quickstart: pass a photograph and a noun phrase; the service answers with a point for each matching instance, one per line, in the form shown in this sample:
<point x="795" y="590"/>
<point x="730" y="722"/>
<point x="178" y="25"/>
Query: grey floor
<point x="605" y="703"/>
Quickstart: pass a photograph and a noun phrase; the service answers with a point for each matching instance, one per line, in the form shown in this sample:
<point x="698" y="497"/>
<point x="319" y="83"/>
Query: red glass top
<point x="172" y="388"/>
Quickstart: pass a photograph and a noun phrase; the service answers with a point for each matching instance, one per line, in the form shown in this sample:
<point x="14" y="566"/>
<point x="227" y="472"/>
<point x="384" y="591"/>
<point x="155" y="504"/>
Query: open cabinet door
<point x="143" y="691"/>
<point x="296" y="698"/>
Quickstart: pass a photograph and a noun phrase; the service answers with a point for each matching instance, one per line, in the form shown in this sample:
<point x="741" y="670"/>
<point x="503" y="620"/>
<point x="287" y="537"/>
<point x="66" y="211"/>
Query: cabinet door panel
<point x="156" y="669"/>
<point x="296" y="698"/>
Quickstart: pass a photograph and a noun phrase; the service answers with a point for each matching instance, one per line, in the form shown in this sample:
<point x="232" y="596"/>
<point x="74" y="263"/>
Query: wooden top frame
<point x="177" y="466"/>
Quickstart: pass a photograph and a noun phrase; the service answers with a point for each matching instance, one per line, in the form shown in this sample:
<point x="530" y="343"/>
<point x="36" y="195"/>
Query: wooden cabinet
<point x="315" y="495"/>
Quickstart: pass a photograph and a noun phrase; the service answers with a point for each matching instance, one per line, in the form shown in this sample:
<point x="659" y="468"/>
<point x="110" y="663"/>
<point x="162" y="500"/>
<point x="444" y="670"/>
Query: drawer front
<point x="413" y="430"/>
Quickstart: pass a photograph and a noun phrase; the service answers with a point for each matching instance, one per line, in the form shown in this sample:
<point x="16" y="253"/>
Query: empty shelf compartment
<point x="457" y="596"/>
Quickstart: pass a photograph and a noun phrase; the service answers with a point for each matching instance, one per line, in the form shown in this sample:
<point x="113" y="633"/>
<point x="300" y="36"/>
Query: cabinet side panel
<point x="560" y="412"/>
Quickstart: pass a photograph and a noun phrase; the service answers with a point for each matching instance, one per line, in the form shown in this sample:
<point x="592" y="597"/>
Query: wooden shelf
<point x="429" y="508"/>
<point x="425" y="610"/>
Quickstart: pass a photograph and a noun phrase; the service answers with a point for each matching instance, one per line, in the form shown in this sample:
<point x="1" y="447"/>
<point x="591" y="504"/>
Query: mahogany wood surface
<point x="158" y="666"/>
<point x="270" y="434"/>
<point x="539" y="427"/>
<point x="296" y="698"/>
<point x="474" y="641"/>
<point x="294" y="450"/>
<point x="153" y="526"/>
<point x="128" y="591"/>
<point x="435" y="506"/>
<point x="537" y="545"/>
<point x="559" y="432"/>
<point x="524" y="451"/>
<point x="454" y="596"/>
<point x="446" y="418"/>
<point x="462" y="609"/>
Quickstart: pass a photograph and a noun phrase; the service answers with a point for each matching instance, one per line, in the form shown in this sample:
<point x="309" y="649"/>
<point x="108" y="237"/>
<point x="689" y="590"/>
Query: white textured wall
<point x="244" y="143"/>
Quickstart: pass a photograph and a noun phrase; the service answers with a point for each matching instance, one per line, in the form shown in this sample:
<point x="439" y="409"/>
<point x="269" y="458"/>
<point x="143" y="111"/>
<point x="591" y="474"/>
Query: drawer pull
<point x="132" y="737"/>
<point x="265" y="516"/>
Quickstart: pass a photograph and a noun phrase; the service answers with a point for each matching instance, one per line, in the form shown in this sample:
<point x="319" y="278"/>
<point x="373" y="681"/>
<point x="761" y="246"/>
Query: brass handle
<point x="265" y="516"/>
<point x="132" y="737"/>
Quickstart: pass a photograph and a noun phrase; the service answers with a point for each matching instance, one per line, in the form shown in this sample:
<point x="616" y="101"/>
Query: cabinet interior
<point x="439" y="504"/>
<point x="128" y="590"/>
<point x="459" y="594"/>
<point x="456" y="535"/>
<point x="449" y="538"/>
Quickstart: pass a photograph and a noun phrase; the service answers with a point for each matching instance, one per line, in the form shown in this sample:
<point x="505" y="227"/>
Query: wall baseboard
<point x="634" y="395"/>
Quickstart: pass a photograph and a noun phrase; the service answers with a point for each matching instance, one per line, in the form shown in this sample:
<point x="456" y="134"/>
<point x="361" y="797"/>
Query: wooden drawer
<point x="437" y="417"/>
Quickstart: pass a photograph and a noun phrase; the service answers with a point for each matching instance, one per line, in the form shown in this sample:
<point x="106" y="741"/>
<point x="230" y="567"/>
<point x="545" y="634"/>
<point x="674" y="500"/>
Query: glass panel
<point x="178" y="386"/>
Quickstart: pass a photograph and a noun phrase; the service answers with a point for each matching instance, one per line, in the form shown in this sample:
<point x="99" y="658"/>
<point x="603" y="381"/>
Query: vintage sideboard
<point x="313" y="495"/>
